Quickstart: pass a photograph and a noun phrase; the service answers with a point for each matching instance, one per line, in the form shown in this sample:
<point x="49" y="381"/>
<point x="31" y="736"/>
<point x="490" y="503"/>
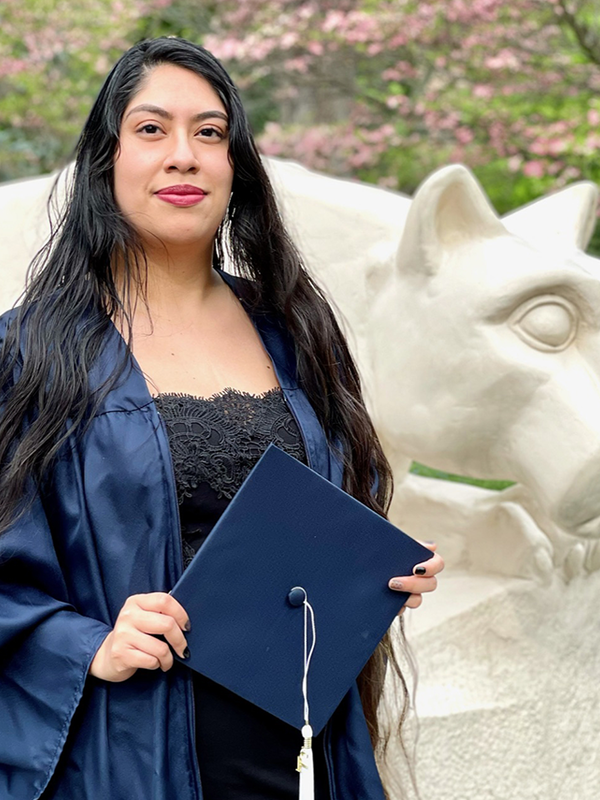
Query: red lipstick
<point x="182" y="194"/>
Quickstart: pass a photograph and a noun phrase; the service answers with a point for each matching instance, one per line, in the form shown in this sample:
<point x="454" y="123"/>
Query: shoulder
<point x="7" y="319"/>
<point x="245" y="289"/>
<point x="36" y="314"/>
<point x="11" y="345"/>
<point x="253" y="300"/>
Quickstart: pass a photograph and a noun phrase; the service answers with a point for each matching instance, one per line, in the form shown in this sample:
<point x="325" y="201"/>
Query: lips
<point x="182" y="194"/>
<point x="181" y="189"/>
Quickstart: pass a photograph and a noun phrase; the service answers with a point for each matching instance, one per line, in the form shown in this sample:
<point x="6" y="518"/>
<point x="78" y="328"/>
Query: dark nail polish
<point x="186" y="652"/>
<point x="420" y="570"/>
<point x="187" y="626"/>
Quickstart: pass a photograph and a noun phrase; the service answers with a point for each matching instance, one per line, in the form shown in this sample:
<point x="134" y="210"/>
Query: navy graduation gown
<point x="106" y="529"/>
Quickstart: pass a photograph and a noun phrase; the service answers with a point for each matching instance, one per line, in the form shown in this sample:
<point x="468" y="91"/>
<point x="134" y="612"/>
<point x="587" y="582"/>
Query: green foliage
<point x="190" y="20"/>
<point x="54" y="55"/>
<point x="428" y="472"/>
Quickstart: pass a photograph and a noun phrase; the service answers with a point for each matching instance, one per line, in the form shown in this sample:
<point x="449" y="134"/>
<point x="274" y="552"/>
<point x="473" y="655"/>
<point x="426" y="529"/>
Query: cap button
<point x="296" y="596"/>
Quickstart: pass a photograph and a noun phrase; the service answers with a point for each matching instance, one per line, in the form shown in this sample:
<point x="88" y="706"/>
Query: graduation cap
<point x="288" y="596"/>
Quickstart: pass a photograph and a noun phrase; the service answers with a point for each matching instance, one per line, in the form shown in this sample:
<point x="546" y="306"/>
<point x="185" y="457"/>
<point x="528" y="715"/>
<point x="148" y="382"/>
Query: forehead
<point x="172" y="86"/>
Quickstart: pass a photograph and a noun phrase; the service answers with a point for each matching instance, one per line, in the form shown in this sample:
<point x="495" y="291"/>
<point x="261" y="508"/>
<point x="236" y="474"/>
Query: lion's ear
<point x="448" y="209"/>
<point x="565" y="219"/>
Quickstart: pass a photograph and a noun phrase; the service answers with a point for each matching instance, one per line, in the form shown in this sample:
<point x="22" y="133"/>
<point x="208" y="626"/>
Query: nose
<point x="182" y="156"/>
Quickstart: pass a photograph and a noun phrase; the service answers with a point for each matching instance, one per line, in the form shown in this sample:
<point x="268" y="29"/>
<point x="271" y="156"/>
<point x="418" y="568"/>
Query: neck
<point x="177" y="283"/>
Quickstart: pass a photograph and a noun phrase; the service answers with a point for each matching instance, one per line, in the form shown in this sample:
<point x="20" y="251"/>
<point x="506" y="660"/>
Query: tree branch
<point x="589" y="41"/>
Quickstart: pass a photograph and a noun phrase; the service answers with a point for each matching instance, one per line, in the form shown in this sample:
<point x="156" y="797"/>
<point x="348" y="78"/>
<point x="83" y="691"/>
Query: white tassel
<point x="306" y="767"/>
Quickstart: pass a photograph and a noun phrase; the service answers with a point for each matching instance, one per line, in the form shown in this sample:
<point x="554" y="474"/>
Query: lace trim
<point x="218" y="439"/>
<point x="228" y="390"/>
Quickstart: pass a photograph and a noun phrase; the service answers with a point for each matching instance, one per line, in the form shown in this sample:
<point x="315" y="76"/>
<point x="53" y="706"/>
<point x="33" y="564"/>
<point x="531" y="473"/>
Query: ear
<point x="565" y="219"/>
<point x="448" y="209"/>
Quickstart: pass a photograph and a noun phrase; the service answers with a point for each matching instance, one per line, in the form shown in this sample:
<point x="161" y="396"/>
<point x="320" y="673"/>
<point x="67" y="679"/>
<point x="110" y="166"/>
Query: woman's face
<point x="172" y="176"/>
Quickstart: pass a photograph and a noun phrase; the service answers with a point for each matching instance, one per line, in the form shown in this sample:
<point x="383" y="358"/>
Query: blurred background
<point x="383" y="91"/>
<point x="380" y="90"/>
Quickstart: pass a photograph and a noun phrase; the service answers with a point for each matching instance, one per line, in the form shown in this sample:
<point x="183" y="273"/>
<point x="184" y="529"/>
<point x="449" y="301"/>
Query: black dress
<point x="244" y="753"/>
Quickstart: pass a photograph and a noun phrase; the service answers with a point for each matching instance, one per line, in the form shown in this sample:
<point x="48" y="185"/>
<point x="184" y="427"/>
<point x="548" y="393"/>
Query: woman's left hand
<point x="422" y="580"/>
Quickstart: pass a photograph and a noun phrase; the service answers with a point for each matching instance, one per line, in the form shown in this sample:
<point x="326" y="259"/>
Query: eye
<point x="149" y="128"/>
<point x="548" y="323"/>
<point x="211" y="133"/>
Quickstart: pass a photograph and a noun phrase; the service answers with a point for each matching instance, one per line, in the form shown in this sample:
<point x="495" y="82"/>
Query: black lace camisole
<point x="244" y="753"/>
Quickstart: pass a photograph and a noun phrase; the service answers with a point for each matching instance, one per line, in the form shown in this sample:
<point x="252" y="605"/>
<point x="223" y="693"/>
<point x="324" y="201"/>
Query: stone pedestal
<point x="508" y="695"/>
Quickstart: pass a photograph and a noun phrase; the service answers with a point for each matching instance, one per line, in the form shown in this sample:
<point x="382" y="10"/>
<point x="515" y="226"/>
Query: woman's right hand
<point x="130" y="645"/>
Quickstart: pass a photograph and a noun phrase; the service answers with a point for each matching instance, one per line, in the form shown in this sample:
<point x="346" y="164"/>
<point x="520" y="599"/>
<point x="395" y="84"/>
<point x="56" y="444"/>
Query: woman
<point x="130" y="313"/>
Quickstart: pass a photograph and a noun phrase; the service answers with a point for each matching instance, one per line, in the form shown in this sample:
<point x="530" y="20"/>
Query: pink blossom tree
<point x="53" y="56"/>
<point x="387" y="91"/>
<point x="383" y="90"/>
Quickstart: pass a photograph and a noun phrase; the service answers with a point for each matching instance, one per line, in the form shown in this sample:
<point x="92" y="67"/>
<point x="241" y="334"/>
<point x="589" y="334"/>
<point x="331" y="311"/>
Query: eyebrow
<point x="161" y="112"/>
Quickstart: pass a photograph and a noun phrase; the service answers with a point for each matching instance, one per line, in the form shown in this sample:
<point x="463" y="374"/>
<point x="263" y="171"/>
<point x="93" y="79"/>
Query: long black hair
<point x="71" y="297"/>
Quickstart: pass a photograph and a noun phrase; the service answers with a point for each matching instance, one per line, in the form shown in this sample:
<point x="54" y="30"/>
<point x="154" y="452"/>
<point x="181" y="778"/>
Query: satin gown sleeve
<point x="46" y="648"/>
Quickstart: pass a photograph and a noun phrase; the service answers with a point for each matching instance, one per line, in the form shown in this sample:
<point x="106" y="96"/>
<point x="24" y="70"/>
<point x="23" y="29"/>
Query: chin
<point x="173" y="239"/>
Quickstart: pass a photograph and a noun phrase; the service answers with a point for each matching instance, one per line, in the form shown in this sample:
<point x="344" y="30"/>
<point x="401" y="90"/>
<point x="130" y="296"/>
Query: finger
<point x="151" y="646"/>
<point x="428" y="544"/>
<point x="177" y="640"/>
<point x="413" y="584"/>
<point x="414" y="601"/>
<point x="141" y="660"/>
<point x="432" y="566"/>
<point x="157" y="624"/>
<point x="137" y="659"/>
<point x="163" y="603"/>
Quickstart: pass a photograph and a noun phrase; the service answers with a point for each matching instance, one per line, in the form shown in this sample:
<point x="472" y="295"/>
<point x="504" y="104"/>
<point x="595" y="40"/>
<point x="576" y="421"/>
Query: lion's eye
<point x="546" y="323"/>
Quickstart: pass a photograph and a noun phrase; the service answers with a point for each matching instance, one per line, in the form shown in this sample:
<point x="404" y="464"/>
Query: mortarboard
<point x="288" y="596"/>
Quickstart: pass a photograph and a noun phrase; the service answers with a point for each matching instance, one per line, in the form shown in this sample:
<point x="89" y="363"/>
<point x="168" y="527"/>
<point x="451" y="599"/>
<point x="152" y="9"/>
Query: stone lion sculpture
<point x="477" y="340"/>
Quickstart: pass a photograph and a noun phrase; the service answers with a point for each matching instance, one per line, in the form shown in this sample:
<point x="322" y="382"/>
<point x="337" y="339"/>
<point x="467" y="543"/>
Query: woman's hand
<point x="422" y="580"/>
<point x="131" y="645"/>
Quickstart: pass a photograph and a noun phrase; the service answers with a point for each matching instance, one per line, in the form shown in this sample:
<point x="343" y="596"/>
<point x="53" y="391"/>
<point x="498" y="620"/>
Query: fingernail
<point x="420" y="570"/>
<point x="395" y="584"/>
<point x="187" y="626"/>
<point x="186" y="652"/>
<point x="429" y="541"/>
